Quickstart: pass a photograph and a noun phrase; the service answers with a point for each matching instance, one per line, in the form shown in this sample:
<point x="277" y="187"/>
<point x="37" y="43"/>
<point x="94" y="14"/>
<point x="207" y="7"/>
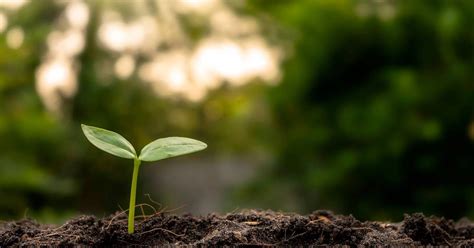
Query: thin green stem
<point x="133" y="193"/>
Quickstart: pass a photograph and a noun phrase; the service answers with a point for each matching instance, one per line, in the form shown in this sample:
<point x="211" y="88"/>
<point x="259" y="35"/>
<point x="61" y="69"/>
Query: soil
<point x="249" y="228"/>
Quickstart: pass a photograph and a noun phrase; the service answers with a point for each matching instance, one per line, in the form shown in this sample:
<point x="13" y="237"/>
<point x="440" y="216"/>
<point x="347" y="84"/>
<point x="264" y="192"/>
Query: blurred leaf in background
<point x="374" y="109"/>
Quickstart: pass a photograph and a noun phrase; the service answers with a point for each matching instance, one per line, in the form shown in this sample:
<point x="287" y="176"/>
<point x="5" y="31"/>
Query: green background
<point x="373" y="116"/>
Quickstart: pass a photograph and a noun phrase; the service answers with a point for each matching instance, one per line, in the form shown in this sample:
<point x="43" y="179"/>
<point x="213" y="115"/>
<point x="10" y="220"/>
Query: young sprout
<point x="159" y="149"/>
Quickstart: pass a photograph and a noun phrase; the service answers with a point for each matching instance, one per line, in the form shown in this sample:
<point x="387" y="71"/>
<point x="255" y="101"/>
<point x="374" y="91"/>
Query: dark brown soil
<point x="255" y="228"/>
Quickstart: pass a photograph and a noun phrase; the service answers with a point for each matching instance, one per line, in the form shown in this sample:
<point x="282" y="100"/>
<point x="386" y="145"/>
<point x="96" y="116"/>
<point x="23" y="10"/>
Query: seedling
<point x="159" y="149"/>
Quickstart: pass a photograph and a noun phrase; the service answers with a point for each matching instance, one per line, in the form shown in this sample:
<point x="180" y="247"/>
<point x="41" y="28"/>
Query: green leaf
<point x="109" y="141"/>
<point x="170" y="147"/>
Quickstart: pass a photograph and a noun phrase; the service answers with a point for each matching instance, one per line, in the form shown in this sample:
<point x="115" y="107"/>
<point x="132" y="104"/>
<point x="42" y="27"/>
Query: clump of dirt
<point x="256" y="228"/>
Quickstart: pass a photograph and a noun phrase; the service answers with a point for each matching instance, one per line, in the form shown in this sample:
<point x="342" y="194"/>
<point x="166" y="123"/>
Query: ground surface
<point x="261" y="228"/>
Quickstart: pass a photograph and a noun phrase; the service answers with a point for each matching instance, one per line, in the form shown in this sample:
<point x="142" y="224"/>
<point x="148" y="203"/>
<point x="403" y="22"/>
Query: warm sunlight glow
<point x="68" y="43"/>
<point x="114" y="35"/>
<point x="167" y="71"/>
<point x="77" y="14"/>
<point x="118" y="36"/>
<point x="55" y="80"/>
<point x="15" y="37"/>
<point x="224" y="22"/>
<point x="200" y="6"/>
<point x="124" y="66"/>
<point x="234" y="62"/>
<point x="159" y="47"/>
<point x="3" y="22"/>
<point x="12" y="4"/>
<point x="234" y="52"/>
<point x="56" y="77"/>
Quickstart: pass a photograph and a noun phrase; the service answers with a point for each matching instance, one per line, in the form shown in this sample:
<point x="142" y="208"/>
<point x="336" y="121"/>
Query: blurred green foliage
<point x="32" y="148"/>
<point x="373" y="113"/>
<point x="47" y="166"/>
<point x="371" y="117"/>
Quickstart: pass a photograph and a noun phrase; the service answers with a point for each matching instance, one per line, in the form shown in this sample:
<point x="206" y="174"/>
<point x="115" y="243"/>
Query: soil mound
<point x="256" y="228"/>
